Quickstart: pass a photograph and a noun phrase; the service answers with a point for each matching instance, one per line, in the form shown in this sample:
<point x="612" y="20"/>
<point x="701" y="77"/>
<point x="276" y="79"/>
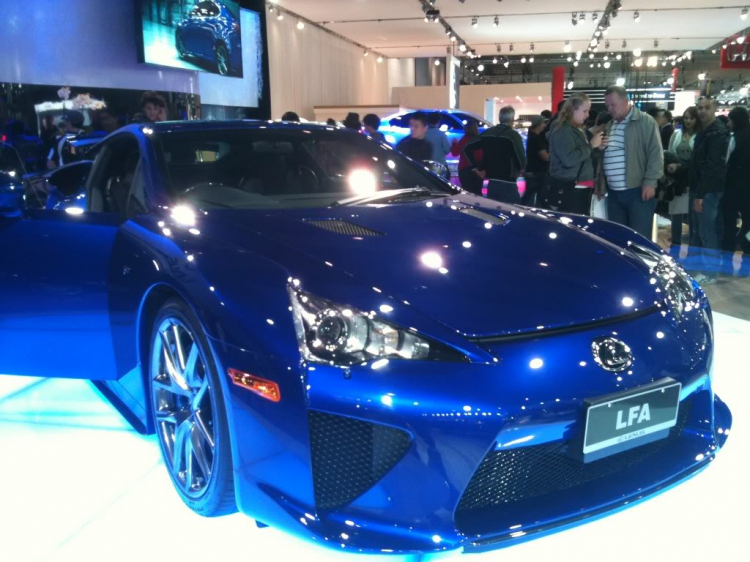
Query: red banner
<point x="736" y="56"/>
<point x="558" y="86"/>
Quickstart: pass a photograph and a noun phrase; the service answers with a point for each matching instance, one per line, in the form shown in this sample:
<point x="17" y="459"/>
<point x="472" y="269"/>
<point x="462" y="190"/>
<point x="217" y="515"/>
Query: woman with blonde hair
<point x="571" y="168"/>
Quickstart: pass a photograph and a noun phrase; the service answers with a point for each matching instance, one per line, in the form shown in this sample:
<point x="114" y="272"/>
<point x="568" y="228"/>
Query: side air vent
<point x="484" y="216"/>
<point x="343" y="227"/>
<point x="350" y="456"/>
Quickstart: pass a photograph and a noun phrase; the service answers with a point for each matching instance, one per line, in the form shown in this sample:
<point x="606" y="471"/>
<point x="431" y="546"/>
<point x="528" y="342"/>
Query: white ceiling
<point x="402" y="32"/>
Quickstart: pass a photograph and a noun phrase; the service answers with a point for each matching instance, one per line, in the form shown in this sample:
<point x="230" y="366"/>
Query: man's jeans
<point x="628" y="207"/>
<point x="706" y="231"/>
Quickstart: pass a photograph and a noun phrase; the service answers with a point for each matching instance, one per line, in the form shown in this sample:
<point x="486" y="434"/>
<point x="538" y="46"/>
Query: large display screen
<point x="203" y="35"/>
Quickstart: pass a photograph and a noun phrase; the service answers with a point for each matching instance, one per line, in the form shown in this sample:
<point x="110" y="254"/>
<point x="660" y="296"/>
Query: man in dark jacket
<point x="503" y="156"/>
<point x="708" y="172"/>
<point x="415" y="146"/>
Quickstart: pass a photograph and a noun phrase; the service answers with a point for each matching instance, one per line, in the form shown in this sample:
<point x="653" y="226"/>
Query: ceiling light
<point x="567" y="47"/>
<point x="607" y="64"/>
<point x="636" y="17"/>
<point x="597" y="33"/>
<point x="523" y="60"/>
<point x="531" y="59"/>
<point x="300" y="25"/>
<point x="620" y="81"/>
<point x="638" y="63"/>
<point x="494" y="61"/>
<point x="531" y="48"/>
<point x="570" y="59"/>
<point x="380" y="58"/>
<point x="474" y="22"/>
<point x="575" y="63"/>
<point x="743" y="14"/>
<point x="713" y="51"/>
<point x="462" y="47"/>
<point x="637" y="52"/>
<point x="367" y="54"/>
<point x="619" y="57"/>
<point x="480" y="68"/>
<point x="570" y="85"/>
<point x="656" y="43"/>
<point x="606" y="44"/>
<point x="582" y="16"/>
<point x="437" y="62"/>
<point x="624" y="44"/>
<point x="670" y="80"/>
<point x="592" y="65"/>
<point x="591" y="56"/>
<point x="664" y="63"/>
<point x="506" y="64"/>
<point x="280" y="16"/>
<point x="496" y="23"/>
<point x="702" y="76"/>
<point x="652" y="61"/>
<point x="574" y="20"/>
<point x="270" y="8"/>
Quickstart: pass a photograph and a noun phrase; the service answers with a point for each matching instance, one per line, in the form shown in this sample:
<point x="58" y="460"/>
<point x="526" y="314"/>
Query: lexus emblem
<point x="611" y="355"/>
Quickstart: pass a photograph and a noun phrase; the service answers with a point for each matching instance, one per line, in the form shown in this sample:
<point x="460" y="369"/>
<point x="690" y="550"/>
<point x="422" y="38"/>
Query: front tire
<point x="188" y="412"/>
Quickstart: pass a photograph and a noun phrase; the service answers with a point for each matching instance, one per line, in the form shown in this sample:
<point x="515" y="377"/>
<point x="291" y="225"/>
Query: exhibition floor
<point x="80" y="485"/>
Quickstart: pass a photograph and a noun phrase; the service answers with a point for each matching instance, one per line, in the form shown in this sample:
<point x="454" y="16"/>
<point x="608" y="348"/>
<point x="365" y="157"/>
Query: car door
<point x="54" y="282"/>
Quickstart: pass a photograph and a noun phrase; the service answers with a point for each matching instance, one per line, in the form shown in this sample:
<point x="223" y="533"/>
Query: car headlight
<point x="342" y="335"/>
<point x="671" y="277"/>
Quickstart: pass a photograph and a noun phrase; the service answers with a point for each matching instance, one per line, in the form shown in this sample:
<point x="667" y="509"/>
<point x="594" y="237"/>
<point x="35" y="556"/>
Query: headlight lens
<point x="342" y="335"/>
<point x="671" y="277"/>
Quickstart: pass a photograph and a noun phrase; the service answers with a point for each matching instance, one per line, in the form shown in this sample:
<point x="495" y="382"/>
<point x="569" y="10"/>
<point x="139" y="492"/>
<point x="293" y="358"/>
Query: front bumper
<point x="392" y="458"/>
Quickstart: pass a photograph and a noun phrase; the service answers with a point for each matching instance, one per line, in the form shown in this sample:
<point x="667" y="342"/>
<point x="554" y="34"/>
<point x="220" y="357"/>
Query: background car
<point x="310" y="323"/>
<point x="452" y="122"/>
<point x="212" y="33"/>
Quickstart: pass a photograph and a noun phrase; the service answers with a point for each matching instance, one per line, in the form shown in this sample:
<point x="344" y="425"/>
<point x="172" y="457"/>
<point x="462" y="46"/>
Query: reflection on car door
<point x="54" y="291"/>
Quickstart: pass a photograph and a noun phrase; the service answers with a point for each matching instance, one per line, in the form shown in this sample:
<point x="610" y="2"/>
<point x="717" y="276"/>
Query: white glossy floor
<point x="79" y="485"/>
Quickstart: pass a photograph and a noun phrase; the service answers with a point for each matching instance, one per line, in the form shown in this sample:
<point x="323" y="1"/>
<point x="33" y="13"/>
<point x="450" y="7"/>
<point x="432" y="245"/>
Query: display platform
<point x="79" y="484"/>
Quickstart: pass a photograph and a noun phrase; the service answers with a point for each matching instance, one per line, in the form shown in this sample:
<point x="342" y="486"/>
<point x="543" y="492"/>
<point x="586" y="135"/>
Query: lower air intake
<point x="350" y="456"/>
<point x="510" y="476"/>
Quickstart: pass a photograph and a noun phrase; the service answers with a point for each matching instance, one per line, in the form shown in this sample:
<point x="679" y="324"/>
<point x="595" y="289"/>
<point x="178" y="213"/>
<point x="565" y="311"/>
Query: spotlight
<point x="437" y="62"/>
<point x="531" y="48"/>
<point x="575" y="63"/>
<point x="743" y="14"/>
<point x="713" y="51"/>
<point x="511" y="47"/>
<point x="531" y="59"/>
<point x="592" y="65"/>
<point x="567" y="47"/>
<point x="607" y="64"/>
<point x="462" y="47"/>
<point x="619" y="57"/>
<point x="594" y="16"/>
<point x="280" y="16"/>
<point x="574" y="20"/>
<point x="367" y="54"/>
<point x="480" y="68"/>
<point x="637" y="52"/>
<point x="270" y="8"/>
<point x="591" y="56"/>
<point x="656" y="43"/>
<point x="494" y="61"/>
<point x="606" y="44"/>
<point x="506" y="64"/>
<point x="523" y="60"/>
<point x="474" y="22"/>
<point x="570" y="59"/>
<point x="593" y="42"/>
<point x="636" y="17"/>
<point x="702" y="76"/>
<point x="582" y="16"/>
<point x="620" y="81"/>
<point x="638" y="62"/>
<point x="300" y="25"/>
<point x="570" y="85"/>
<point x="499" y="48"/>
<point x="664" y="63"/>
<point x="624" y="44"/>
<point x="496" y="23"/>
<point x="380" y="59"/>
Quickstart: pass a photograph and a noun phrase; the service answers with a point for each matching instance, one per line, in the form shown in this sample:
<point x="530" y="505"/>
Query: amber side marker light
<point x="262" y="387"/>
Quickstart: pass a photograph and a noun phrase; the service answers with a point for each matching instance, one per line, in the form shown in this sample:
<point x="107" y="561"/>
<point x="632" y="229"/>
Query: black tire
<point x="187" y="415"/>
<point x="180" y="46"/>
<point x="222" y="60"/>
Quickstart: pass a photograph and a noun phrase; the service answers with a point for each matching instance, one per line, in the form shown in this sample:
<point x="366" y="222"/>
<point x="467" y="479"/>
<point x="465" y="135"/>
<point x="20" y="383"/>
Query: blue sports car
<point x="210" y="32"/>
<point x="333" y="340"/>
<point x="452" y="122"/>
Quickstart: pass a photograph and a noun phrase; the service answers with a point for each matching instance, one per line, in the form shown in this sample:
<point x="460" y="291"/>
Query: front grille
<point x="343" y="227"/>
<point x="350" y="456"/>
<point x="506" y="477"/>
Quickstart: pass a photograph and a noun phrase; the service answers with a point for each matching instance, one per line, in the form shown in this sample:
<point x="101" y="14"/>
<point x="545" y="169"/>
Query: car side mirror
<point x="438" y="168"/>
<point x="11" y="195"/>
<point x="70" y="179"/>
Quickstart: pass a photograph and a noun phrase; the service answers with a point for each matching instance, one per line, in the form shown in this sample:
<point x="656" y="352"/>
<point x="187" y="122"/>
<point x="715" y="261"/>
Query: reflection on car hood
<point x="482" y="274"/>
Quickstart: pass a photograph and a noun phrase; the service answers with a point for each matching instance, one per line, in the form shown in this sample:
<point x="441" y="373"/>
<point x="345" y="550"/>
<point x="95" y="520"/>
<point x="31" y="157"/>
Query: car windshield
<point x="287" y="168"/>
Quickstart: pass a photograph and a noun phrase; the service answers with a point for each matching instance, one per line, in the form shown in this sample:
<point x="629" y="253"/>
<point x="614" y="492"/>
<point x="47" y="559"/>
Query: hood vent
<point x="484" y="216"/>
<point x="343" y="227"/>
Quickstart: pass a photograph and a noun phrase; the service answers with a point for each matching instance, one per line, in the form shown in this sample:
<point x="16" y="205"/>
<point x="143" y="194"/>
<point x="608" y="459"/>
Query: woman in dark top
<point x="471" y="177"/>
<point x="571" y="168"/>
<point x="737" y="193"/>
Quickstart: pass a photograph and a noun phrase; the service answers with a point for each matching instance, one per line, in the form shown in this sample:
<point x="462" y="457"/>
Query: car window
<point x="281" y="169"/>
<point x="115" y="173"/>
<point x="448" y="123"/>
<point x="402" y="121"/>
<point x="465" y="117"/>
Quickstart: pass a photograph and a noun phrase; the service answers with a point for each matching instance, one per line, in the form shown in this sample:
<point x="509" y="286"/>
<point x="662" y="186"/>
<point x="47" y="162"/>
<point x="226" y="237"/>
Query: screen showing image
<point x="200" y="35"/>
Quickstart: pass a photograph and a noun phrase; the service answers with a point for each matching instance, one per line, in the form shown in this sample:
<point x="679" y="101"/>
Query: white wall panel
<point x="311" y="67"/>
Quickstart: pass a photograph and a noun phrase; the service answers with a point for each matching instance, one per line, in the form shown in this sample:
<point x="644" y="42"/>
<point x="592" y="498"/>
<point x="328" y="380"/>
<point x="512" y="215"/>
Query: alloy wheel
<point x="183" y="406"/>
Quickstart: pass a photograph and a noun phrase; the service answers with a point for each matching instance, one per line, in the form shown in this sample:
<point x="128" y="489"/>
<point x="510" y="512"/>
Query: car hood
<point x="477" y="266"/>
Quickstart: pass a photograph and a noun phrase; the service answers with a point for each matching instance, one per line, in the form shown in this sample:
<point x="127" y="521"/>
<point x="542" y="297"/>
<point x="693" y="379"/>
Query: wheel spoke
<point x="191" y="367"/>
<point x="165" y="416"/>
<point x="178" y="347"/>
<point x="205" y="433"/>
<point x="201" y="454"/>
<point x="198" y="398"/>
<point x="171" y="368"/>
<point x="189" y="475"/>
<point x="180" y="443"/>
